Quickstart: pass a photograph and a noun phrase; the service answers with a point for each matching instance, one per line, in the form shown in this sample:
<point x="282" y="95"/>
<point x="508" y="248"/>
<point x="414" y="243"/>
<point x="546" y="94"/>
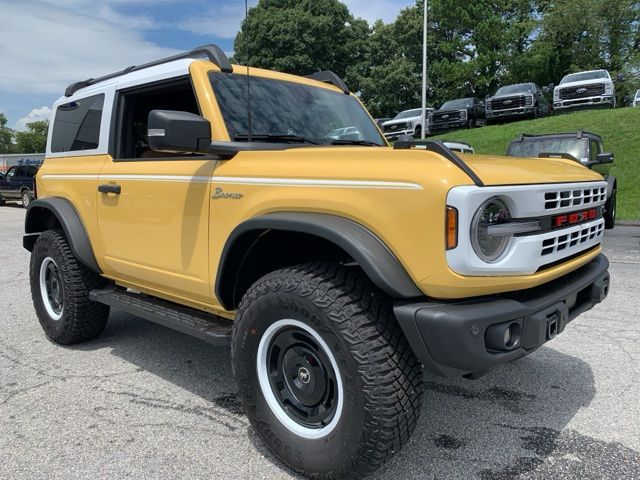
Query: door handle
<point x="109" y="188"/>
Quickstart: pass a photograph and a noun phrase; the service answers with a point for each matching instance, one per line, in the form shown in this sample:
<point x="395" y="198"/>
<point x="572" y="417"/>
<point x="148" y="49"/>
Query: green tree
<point x="302" y="37"/>
<point x="33" y="139"/>
<point x="6" y="136"/>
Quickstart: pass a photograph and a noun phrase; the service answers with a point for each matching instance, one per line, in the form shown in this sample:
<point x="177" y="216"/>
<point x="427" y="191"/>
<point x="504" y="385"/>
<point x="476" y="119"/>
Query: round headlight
<point x="487" y="246"/>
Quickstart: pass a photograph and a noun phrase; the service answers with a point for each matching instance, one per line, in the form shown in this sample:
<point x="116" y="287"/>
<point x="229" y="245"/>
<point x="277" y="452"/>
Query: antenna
<point x="246" y="25"/>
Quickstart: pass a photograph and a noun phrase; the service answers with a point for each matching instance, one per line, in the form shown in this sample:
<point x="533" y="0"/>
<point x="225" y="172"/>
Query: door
<point x="153" y="208"/>
<point x="9" y="185"/>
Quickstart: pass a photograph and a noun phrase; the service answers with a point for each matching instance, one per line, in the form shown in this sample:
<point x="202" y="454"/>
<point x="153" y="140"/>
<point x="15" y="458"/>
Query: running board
<point x="208" y="327"/>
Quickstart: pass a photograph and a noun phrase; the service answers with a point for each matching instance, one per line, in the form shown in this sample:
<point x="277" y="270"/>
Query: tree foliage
<point x="6" y="136"/>
<point x="33" y="139"/>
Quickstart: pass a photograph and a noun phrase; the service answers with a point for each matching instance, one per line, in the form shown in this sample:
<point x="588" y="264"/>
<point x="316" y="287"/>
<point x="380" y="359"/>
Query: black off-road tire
<point x="382" y="380"/>
<point x="2" y="202"/>
<point x="610" y="210"/>
<point x="81" y="319"/>
<point x="417" y="133"/>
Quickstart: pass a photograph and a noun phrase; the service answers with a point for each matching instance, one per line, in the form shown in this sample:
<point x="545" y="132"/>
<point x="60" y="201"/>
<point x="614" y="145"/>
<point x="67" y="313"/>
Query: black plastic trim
<point x="214" y="53"/>
<point x="327" y="76"/>
<point x="446" y="152"/>
<point x="375" y="258"/>
<point x="72" y="226"/>
<point x="448" y="337"/>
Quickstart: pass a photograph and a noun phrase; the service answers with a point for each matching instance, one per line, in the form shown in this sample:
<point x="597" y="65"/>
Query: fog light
<point x="503" y="337"/>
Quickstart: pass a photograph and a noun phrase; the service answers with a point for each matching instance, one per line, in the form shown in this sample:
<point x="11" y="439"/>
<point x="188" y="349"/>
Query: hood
<point x="499" y="170"/>
<point x="583" y="82"/>
<point x="508" y="95"/>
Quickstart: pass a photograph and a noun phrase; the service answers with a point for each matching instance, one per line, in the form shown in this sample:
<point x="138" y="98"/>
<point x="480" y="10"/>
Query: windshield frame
<point x="522" y="88"/>
<point x="603" y="76"/>
<point x="400" y="115"/>
<point x="471" y="102"/>
<point x="581" y="142"/>
<point x="234" y="116"/>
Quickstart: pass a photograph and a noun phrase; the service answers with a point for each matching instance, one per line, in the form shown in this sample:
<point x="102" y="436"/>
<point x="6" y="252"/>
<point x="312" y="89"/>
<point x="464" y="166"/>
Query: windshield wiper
<point x="344" y="141"/>
<point x="267" y="137"/>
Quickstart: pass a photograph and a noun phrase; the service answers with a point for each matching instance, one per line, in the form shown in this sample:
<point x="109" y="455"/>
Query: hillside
<point x="619" y="128"/>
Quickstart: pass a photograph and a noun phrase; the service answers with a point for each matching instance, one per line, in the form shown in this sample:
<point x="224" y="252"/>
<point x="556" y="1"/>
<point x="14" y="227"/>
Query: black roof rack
<point x="212" y="52"/>
<point x="578" y="134"/>
<point x="327" y="76"/>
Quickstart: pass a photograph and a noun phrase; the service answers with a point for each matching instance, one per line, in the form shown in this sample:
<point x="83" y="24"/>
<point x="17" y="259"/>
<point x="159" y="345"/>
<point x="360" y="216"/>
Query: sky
<point x="47" y="44"/>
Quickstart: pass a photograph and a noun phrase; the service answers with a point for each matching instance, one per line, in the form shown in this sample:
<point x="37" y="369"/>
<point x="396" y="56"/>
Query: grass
<point x="620" y="131"/>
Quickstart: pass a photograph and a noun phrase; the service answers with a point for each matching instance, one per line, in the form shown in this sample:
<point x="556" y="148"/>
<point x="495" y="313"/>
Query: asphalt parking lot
<point x="143" y="401"/>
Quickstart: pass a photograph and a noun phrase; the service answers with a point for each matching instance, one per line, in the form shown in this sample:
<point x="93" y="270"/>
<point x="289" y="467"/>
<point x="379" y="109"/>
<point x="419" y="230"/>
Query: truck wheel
<point x="2" y="202"/>
<point x="417" y="133"/>
<point x="60" y="287"/>
<point x="610" y="210"/>
<point x="26" y="198"/>
<point x="325" y="374"/>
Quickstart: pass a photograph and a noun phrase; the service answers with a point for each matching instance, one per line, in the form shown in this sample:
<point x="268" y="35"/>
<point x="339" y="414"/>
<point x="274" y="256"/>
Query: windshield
<point x="416" y="112"/>
<point x="519" y="88"/>
<point x="292" y="111"/>
<point x="531" y="147"/>
<point x="579" y="77"/>
<point x="457" y="103"/>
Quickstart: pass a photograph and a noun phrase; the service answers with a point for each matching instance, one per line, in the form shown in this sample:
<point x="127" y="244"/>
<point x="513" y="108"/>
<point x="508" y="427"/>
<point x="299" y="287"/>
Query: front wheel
<point x="60" y="287"/>
<point x="610" y="210"/>
<point x="326" y="376"/>
<point x="417" y="133"/>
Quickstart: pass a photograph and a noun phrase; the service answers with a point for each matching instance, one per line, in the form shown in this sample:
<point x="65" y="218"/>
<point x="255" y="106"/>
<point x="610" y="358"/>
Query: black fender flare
<point x="372" y="254"/>
<point x="71" y="223"/>
<point x="611" y="184"/>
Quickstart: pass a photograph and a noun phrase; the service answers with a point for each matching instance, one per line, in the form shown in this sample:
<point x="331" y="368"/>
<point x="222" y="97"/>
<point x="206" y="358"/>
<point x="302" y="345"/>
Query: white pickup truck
<point x="593" y="88"/>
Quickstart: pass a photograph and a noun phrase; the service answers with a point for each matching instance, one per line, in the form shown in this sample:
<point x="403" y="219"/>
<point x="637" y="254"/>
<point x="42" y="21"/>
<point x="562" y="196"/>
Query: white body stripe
<point x="281" y="182"/>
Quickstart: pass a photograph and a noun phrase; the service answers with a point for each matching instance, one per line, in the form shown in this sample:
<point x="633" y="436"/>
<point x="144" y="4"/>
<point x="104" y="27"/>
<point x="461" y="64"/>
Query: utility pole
<point x="424" y="74"/>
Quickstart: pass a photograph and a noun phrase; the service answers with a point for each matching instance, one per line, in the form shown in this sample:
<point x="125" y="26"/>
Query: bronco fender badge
<point x="218" y="194"/>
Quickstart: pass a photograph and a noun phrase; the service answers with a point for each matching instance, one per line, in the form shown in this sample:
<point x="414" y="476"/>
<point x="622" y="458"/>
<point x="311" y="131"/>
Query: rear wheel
<point x="324" y="372"/>
<point x="60" y="287"/>
<point x="2" y="202"/>
<point x="26" y="198"/>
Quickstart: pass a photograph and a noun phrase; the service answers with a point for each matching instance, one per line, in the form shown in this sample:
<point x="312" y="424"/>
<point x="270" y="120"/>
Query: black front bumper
<point x="450" y="338"/>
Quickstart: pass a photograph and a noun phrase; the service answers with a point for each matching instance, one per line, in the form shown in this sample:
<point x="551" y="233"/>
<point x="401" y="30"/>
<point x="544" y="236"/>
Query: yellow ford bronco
<point x="267" y="212"/>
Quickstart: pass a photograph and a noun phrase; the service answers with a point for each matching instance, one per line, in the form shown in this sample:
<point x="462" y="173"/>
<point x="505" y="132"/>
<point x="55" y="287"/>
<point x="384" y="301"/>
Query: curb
<point x="628" y="223"/>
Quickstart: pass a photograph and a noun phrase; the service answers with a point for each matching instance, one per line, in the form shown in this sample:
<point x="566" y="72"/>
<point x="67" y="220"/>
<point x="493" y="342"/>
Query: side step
<point x="208" y="327"/>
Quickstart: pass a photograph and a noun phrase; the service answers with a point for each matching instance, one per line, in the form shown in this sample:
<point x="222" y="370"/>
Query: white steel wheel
<point x="300" y="379"/>
<point x="51" y="288"/>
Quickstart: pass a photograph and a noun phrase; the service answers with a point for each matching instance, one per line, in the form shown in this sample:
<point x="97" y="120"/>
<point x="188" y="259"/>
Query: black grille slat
<point x="395" y="127"/>
<point x="439" y="117"/>
<point x="509" y="102"/>
<point x="583" y="91"/>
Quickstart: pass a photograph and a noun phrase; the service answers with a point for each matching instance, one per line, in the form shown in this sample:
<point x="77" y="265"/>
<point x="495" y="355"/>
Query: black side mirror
<point x="178" y="132"/>
<point x="604" y="158"/>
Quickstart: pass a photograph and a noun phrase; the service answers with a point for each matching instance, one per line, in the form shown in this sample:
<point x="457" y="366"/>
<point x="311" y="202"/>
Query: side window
<point x="131" y="137"/>
<point x="76" y="125"/>
<point x="11" y="173"/>
<point x="21" y="172"/>
<point x="31" y="171"/>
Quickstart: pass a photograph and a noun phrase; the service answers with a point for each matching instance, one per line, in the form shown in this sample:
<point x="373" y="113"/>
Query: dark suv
<point x="17" y="184"/>
<point x="517" y="101"/>
<point x="583" y="147"/>
<point x="458" y="113"/>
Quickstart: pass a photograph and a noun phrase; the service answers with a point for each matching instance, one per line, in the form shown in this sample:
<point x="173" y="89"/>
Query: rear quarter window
<point x="76" y="125"/>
